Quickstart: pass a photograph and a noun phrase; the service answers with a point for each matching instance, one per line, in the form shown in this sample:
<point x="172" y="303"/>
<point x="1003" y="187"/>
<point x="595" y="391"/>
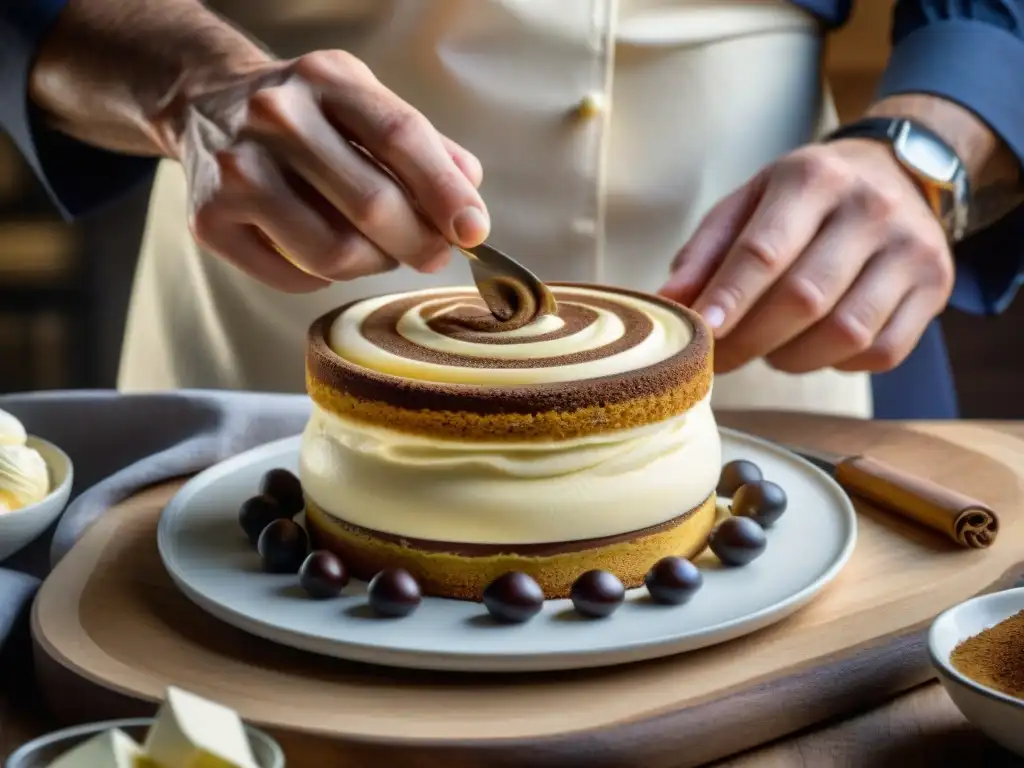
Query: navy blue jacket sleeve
<point x="79" y="178"/>
<point x="972" y="53"/>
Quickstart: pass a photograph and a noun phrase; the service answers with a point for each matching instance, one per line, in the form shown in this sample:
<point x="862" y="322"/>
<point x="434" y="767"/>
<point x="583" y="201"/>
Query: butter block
<point x="192" y="732"/>
<point x="110" y="749"/>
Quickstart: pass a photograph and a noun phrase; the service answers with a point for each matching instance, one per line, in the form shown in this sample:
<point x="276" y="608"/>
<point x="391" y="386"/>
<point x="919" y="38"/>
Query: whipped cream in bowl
<point x="35" y="484"/>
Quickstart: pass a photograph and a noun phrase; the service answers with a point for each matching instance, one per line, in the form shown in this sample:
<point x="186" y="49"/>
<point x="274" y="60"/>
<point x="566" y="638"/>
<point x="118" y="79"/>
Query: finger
<point x="857" y="319"/>
<point x="241" y="246"/>
<point x="466" y="161"/>
<point x="288" y="120"/>
<point x="803" y="296"/>
<point x="352" y="254"/>
<point x="403" y="140"/>
<point x="798" y="198"/>
<point x="899" y="336"/>
<point x="703" y="252"/>
<point x="308" y="230"/>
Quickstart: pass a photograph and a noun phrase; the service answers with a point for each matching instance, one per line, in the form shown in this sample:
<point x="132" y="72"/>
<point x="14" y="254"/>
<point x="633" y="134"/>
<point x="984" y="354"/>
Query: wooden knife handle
<point x="965" y="520"/>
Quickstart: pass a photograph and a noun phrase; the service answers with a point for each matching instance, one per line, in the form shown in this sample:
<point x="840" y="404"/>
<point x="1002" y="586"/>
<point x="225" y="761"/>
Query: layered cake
<point x="446" y="444"/>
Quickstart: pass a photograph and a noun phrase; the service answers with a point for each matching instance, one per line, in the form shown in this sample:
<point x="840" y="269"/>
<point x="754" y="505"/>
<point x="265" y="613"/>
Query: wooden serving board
<point x="111" y="632"/>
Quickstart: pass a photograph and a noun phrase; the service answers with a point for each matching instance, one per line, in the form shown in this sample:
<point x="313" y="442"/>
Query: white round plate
<point x="211" y="561"/>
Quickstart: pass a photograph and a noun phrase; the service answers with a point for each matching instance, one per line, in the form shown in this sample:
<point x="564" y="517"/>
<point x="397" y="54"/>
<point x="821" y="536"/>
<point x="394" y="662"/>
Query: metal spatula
<point x="513" y="293"/>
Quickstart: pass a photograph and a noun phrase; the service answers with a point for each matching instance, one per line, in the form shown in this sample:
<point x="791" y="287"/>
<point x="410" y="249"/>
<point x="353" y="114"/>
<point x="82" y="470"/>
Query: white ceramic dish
<point x="43" y="751"/>
<point x="1000" y="716"/>
<point x="21" y="527"/>
<point x="211" y="561"/>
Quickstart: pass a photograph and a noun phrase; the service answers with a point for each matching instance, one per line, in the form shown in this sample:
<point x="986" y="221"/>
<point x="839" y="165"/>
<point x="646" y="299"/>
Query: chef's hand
<point x="829" y="257"/>
<point x="279" y="189"/>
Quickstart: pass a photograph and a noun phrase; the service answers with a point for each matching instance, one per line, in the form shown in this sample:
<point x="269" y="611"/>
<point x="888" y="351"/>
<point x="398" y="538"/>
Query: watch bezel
<point x="906" y="134"/>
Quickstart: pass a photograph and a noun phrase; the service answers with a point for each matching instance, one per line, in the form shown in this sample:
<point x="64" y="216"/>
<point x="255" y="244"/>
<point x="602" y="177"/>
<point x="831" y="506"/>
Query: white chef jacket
<point x="606" y="130"/>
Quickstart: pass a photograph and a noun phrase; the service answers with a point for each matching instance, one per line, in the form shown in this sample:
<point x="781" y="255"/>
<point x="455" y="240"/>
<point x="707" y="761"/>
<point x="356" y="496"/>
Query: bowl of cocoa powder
<point x="977" y="648"/>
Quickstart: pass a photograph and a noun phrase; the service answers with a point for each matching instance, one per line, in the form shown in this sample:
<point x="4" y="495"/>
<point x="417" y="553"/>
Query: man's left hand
<point x="829" y="257"/>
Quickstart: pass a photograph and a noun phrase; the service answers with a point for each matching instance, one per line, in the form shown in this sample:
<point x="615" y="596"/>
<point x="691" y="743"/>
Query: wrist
<point x="219" y="78"/>
<point x="111" y="73"/>
<point x="984" y="155"/>
<point x="213" y="57"/>
<point x="922" y="157"/>
<point x="993" y="170"/>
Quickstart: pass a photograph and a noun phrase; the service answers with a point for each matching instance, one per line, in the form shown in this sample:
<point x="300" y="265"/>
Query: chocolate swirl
<point x="465" y="324"/>
<point x="449" y="336"/>
<point x="442" y="350"/>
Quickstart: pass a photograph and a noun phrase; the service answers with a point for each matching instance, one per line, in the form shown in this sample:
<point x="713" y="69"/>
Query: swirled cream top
<point x="446" y="336"/>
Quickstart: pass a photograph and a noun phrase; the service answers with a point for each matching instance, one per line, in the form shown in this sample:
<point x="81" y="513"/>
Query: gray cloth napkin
<point x="121" y="443"/>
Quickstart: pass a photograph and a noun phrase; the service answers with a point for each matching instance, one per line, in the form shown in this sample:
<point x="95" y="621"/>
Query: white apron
<point x="685" y="101"/>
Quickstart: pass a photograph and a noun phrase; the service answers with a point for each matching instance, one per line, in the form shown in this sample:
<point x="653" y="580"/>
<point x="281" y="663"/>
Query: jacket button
<point x="590" y="106"/>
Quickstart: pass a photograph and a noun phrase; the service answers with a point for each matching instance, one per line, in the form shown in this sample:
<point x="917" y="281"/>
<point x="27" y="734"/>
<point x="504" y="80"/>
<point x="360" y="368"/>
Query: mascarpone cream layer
<point x="518" y="493"/>
<point x="671" y="333"/>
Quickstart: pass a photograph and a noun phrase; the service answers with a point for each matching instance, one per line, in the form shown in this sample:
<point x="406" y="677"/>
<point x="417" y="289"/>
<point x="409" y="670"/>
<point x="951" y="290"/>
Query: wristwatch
<point x="930" y="161"/>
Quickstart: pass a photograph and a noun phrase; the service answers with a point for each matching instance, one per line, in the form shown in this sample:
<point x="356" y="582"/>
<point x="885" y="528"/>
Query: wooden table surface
<point x="919" y="728"/>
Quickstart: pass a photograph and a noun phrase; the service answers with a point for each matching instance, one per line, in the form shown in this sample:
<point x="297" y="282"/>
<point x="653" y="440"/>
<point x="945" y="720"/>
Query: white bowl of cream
<point x="35" y="484"/>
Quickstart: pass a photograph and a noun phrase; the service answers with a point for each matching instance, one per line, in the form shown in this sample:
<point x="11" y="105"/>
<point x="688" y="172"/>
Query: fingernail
<point x="471" y="226"/>
<point x="714" y="316"/>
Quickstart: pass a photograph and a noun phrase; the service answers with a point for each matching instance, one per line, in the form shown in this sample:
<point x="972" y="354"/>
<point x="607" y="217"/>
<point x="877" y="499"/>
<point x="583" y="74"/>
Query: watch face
<point x="928" y="156"/>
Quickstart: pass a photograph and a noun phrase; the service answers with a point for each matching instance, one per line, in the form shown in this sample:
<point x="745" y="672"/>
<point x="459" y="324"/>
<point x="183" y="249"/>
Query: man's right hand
<point x="310" y="171"/>
<point x="300" y="172"/>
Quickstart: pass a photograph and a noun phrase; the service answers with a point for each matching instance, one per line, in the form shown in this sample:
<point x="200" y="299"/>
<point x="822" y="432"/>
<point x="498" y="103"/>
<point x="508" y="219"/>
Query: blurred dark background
<point x="64" y="289"/>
